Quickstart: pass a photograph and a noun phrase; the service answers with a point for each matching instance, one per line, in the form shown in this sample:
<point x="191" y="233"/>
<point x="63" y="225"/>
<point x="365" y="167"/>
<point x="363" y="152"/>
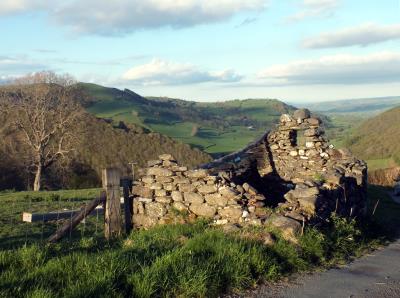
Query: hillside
<point x="214" y="127"/>
<point x="99" y="144"/>
<point x="378" y="138"/>
<point x="122" y="145"/>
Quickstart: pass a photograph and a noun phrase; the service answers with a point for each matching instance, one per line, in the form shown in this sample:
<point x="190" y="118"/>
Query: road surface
<point x="376" y="275"/>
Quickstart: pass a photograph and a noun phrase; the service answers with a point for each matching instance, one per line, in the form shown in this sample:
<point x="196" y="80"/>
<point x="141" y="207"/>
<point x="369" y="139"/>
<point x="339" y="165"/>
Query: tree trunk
<point x="38" y="177"/>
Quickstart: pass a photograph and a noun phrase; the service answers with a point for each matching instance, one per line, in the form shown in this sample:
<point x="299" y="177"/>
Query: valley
<point x="218" y="128"/>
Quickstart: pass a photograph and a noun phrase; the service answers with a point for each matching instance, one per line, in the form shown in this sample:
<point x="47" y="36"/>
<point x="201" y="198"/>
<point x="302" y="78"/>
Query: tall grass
<point x="193" y="260"/>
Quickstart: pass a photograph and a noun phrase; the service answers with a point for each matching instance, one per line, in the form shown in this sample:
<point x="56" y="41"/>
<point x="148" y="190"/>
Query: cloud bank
<point x="314" y="8"/>
<point x="18" y="65"/>
<point x="383" y="67"/>
<point x="161" y="72"/>
<point x="362" y="35"/>
<point x="118" y="17"/>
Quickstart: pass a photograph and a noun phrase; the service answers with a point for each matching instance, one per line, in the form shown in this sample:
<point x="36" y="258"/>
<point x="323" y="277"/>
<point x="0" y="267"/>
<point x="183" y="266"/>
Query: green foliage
<point x="313" y="246"/>
<point x="318" y="177"/>
<point x="343" y="237"/>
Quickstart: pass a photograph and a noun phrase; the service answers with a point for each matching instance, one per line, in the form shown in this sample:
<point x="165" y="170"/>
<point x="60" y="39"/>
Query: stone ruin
<point x="289" y="177"/>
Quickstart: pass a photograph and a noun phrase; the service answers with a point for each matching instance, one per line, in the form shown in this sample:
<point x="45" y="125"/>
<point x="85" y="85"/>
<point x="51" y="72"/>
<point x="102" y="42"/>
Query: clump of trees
<point x="42" y="111"/>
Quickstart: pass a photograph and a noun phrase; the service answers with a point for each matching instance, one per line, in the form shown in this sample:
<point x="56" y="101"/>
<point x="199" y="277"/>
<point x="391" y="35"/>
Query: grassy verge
<point x="194" y="260"/>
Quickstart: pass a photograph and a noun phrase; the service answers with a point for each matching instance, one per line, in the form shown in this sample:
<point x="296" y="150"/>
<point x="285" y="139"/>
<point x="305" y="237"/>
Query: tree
<point x="43" y="109"/>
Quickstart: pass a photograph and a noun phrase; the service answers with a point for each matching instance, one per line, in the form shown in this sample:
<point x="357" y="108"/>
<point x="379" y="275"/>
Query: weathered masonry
<point x="292" y="167"/>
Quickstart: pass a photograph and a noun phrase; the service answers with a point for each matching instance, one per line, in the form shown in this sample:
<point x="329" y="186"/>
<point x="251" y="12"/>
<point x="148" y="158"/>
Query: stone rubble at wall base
<point x="319" y="180"/>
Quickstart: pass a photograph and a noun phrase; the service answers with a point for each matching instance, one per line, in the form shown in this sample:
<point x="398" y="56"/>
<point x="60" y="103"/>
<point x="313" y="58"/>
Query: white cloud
<point x="18" y="65"/>
<point x="314" y="8"/>
<point x="18" y="6"/>
<point x="118" y="17"/>
<point x="362" y="35"/>
<point x="383" y="67"/>
<point x="160" y="72"/>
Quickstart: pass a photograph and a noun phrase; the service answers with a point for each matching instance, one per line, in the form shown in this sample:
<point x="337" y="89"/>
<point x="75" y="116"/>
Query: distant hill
<point x="367" y="106"/>
<point x="378" y="138"/>
<point x="215" y="127"/>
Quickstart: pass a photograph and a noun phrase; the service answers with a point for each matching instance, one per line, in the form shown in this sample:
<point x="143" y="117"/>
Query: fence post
<point x="126" y="183"/>
<point x="112" y="212"/>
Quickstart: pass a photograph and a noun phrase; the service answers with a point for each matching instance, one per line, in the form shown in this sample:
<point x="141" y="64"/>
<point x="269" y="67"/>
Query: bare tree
<point x="44" y="111"/>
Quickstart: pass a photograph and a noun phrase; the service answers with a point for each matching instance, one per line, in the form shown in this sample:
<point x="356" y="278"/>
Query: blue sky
<point x="294" y="50"/>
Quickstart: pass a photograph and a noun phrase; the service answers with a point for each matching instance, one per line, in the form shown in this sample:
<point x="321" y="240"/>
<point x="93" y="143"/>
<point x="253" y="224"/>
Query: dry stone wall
<point x="292" y="167"/>
<point x="168" y="193"/>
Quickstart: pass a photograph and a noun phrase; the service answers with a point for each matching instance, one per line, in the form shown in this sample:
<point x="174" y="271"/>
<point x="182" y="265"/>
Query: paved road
<point x="376" y="275"/>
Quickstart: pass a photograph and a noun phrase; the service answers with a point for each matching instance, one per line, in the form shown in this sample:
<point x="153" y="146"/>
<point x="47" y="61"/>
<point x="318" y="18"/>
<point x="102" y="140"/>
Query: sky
<point x="207" y="50"/>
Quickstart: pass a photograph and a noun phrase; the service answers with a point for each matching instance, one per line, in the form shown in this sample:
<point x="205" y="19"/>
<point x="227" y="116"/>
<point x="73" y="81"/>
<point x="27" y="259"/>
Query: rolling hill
<point x="214" y="127"/>
<point x="378" y="139"/>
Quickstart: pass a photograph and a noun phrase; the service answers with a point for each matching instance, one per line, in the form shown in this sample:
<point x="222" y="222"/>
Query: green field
<point x="340" y="127"/>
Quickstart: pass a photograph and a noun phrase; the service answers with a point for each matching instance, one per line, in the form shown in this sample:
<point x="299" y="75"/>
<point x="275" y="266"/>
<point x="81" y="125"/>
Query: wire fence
<point x="14" y="232"/>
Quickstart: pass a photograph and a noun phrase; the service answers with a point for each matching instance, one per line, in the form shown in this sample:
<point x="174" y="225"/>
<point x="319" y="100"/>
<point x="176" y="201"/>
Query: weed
<point x="318" y="177"/>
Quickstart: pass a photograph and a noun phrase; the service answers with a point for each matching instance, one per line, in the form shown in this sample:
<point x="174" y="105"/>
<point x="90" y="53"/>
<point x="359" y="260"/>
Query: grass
<point x="167" y="261"/>
<point x="193" y="260"/>
<point x="383" y="163"/>
<point x="14" y="232"/>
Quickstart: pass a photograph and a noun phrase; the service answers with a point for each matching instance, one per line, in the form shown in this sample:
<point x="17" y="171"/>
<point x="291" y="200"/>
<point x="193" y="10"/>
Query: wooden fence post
<point x="112" y="212"/>
<point x="126" y="184"/>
